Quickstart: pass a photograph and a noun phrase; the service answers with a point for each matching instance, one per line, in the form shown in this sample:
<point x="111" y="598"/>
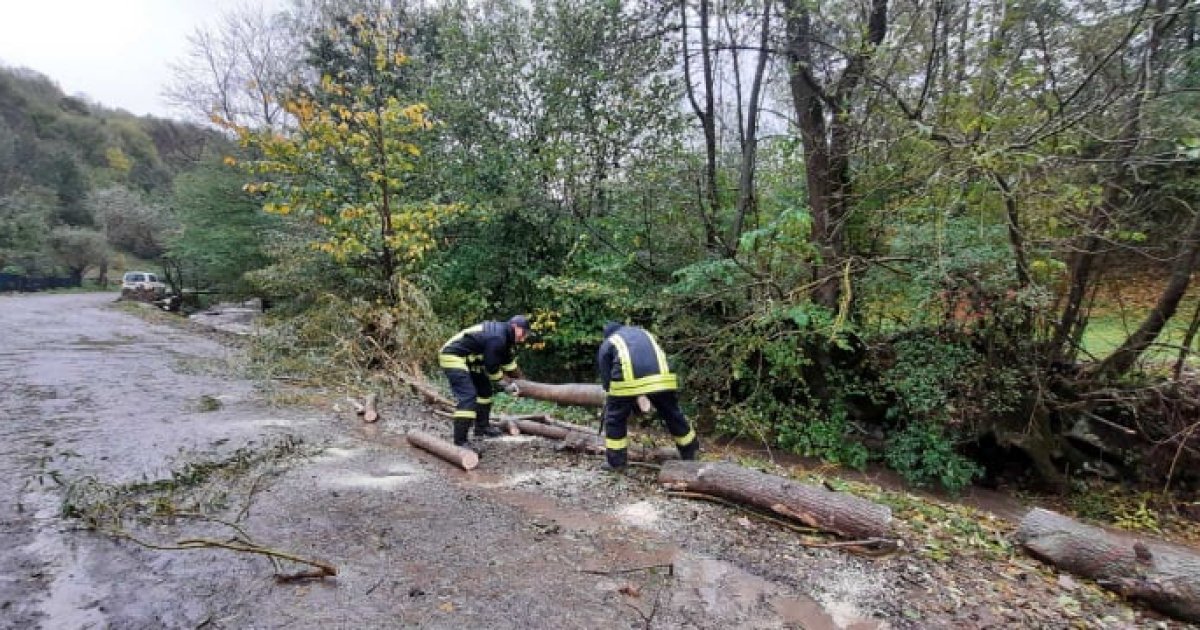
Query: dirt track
<point x="89" y="390"/>
<point x="534" y="538"/>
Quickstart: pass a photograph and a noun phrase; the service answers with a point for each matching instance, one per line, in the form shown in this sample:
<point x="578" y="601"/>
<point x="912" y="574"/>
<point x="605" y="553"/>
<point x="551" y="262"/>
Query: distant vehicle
<point x="142" y="282"/>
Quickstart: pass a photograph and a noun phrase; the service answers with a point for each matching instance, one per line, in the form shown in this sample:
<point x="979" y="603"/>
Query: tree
<point x="129" y="222"/>
<point x="25" y="217"/>
<point x="345" y="166"/>
<point x="238" y="71"/>
<point x="78" y="249"/>
<point x="223" y="230"/>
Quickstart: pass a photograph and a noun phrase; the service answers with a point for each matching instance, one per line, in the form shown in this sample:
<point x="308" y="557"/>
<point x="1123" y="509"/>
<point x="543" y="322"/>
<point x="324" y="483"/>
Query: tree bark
<point x="1164" y="576"/>
<point x="823" y="114"/>
<point x="580" y="394"/>
<point x="842" y="514"/>
<point x="462" y="457"/>
<point x="370" y="413"/>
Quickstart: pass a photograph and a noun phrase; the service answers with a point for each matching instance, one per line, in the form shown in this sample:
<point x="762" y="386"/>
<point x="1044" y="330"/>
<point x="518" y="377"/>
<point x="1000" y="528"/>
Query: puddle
<point x="723" y="591"/>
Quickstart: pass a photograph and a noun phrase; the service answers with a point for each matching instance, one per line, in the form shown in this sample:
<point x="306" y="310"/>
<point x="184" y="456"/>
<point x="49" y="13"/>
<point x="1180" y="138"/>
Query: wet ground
<point x="533" y="538"/>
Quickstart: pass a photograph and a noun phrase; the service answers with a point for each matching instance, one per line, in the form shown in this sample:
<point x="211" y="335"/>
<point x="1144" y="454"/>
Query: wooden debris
<point x="464" y="458"/>
<point x="579" y="394"/>
<point x="370" y="413"/>
<point x="840" y="513"/>
<point x="1163" y="575"/>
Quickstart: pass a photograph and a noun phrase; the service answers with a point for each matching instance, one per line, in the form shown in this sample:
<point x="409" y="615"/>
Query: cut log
<point x="370" y="413"/>
<point x="552" y="421"/>
<point x="551" y="431"/>
<point x="1164" y="576"/>
<point x="579" y="394"/>
<point x="837" y="512"/>
<point x="593" y="444"/>
<point x="464" y="458"/>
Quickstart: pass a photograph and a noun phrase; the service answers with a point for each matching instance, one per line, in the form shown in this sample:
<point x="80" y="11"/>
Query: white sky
<point x="117" y="52"/>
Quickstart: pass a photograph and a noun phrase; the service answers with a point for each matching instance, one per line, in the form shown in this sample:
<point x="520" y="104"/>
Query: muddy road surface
<point x="94" y="397"/>
<point x="123" y="434"/>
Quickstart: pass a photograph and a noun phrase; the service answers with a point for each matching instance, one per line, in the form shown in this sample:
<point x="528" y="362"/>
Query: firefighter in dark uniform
<point x="632" y="364"/>
<point x="475" y="360"/>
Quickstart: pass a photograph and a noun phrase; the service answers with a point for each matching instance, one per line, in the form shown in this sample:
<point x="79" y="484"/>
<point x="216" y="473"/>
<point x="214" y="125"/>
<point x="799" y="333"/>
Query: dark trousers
<point x="473" y="400"/>
<point x="617" y="410"/>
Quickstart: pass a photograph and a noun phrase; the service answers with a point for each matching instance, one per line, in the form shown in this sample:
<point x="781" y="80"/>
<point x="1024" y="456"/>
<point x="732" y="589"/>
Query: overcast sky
<point x="117" y="52"/>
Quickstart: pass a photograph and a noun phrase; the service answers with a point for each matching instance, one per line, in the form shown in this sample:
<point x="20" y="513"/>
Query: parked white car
<point x="142" y="282"/>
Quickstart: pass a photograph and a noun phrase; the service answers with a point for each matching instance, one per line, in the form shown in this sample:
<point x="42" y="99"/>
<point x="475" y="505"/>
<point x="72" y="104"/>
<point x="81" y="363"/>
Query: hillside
<point x="83" y="185"/>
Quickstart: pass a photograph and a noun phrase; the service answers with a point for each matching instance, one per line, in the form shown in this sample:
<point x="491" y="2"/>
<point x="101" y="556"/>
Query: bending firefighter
<point x="631" y="364"/>
<point x="474" y="360"/>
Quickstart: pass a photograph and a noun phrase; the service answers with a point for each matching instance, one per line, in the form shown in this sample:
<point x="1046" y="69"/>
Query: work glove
<point x="512" y="389"/>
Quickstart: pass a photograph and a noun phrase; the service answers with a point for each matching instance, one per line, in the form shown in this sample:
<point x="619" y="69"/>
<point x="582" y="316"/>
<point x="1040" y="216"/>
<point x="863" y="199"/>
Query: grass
<point x="1109" y="328"/>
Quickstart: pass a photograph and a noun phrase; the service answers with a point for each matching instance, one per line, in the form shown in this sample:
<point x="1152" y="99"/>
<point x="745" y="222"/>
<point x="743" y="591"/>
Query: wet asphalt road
<point x="88" y="390"/>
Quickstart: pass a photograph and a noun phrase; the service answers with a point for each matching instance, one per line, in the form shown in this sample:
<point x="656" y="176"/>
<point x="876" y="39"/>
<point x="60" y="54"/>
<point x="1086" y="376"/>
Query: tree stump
<point x="1164" y="576"/>
<point x="837" y="512"/>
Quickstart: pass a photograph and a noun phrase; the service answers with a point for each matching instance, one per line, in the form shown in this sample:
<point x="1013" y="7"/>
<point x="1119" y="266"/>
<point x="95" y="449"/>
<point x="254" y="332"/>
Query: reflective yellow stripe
<point x="495" y="377"/>
<point x="624" y="357"/>
<point x="509" y="367"/>
<point x="464" y="413"/>
<point x="452" y="361"/>
<point x="483" y="401"/>
<point x="663" y="368"/>
<point x="644" y="385"/>
<point x="618" y="444"/>
<point x="687" y="439"/>
<point x="477" y="328"/>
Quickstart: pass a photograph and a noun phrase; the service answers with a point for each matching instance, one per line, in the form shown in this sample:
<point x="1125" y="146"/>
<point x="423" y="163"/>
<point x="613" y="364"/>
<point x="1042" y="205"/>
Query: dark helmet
<point x="520" y="321"/>
<point x="611" y="327"/>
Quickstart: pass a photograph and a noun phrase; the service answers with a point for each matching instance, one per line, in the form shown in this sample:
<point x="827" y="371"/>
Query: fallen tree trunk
<point x="1164" y="576"/>
<point x="579" y="394"/>
<point x="592" y="444"/>
<point x="464" y="458"/>
<point x="837" y="512"/>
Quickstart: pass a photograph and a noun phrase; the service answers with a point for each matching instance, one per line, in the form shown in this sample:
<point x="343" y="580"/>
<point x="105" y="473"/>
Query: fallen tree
<point x="837" y="512"/>
<point x="1164" y="576"/>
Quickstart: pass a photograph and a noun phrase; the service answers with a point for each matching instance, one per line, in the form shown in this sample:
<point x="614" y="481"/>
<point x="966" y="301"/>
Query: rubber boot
<point x="461" y="427"/>
<point x="689" y="451"/>
<point x="615" y="459"/>
<point x="483" y="425"/>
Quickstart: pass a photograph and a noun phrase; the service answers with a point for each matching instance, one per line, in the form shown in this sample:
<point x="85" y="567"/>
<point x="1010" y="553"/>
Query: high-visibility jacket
<point x="631" y="363"/>
<point x="490" y="344"/>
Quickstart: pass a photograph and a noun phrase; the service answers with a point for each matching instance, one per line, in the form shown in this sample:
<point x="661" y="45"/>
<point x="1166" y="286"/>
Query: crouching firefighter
<point x="632" y="364"/>
<point x="475" y="360"/>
